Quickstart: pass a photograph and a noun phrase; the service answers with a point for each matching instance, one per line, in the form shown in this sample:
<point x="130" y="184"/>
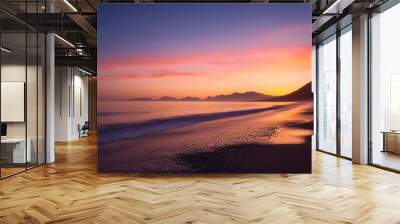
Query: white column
<point x="360" y="90"/>
<point x="50" y="92"/>
<point x="50" y="99"/>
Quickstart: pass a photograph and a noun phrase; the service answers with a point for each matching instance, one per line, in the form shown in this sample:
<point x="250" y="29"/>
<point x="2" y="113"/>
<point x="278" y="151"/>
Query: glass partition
<point x="345" y="92"/>
<point x="327" y="96"/>
<point x="22" y="78"/>
<point x="13" y="109"/>
<point x="385" y="89"/>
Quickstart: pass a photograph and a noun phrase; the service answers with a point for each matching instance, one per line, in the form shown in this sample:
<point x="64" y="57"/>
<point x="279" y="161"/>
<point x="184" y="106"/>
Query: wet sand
<point x="269" y="141"/>
<point x="252" y="158"/>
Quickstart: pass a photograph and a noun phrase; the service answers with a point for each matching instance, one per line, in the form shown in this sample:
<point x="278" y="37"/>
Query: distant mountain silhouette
<point x="141" y="99"/>
<point x="304" y="93"/>
<point x="240" y="97"/>
<point x="190" y="98"/>
<point x="167" y="98"/>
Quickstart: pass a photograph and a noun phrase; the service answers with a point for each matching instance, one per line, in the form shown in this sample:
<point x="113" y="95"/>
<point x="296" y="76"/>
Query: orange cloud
<point x="212" y="63"/>
<point x="159" y="74"/>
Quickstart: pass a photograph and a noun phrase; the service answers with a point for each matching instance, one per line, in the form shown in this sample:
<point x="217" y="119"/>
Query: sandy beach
<point x="274" y="140"/>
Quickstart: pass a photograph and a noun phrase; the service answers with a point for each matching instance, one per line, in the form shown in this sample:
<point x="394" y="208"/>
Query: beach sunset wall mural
<point x="204" y="88"/>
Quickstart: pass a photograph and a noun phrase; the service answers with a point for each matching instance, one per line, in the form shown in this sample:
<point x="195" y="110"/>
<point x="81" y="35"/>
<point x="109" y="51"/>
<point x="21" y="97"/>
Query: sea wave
<point x="110" y="133"/>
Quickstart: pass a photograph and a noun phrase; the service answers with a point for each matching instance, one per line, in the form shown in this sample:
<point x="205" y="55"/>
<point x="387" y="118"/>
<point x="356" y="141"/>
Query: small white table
<point x="19" y="154"/>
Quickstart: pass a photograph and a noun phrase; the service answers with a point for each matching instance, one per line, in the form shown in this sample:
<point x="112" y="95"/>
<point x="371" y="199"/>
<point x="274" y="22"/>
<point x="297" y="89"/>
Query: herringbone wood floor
<point x="71" y="191"/>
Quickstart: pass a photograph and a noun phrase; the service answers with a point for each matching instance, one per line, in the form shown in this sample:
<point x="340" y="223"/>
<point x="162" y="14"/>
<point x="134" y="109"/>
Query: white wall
<point x="62" y="81"/>
<point x="71" y="93"/>
<point x="80" y="112"/>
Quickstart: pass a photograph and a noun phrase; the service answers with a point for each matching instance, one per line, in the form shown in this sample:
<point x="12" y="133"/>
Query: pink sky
<point x="270" y="71"/>
<point x="268" y="62"/>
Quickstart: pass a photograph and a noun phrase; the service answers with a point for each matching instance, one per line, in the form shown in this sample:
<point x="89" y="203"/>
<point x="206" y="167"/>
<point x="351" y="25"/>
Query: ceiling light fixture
<point x="79" y="51"/>
<point x="70" y="5"/>
<point x="337" y="7"/>
<point x="84" y="71"/>
<point x="5" y="50"/>
<point x="331" y="7"/>
<point x="65" y="41"/>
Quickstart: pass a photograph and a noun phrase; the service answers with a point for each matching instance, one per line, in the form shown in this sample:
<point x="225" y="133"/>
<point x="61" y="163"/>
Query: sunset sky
<point x="200" y="50"/>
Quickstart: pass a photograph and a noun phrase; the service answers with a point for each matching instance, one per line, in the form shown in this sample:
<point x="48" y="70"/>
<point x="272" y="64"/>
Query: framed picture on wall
<point x="204" y="88"/>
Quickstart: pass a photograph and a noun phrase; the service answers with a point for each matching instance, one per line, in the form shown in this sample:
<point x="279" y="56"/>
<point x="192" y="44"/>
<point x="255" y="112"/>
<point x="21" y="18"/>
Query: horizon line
<point x="159" y="98"/>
